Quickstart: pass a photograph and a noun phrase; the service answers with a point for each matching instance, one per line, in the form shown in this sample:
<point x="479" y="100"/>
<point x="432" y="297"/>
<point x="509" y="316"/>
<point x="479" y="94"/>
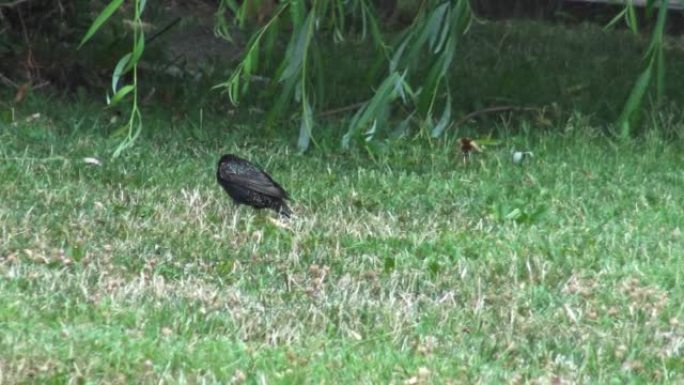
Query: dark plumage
<point x="248" y="184"/>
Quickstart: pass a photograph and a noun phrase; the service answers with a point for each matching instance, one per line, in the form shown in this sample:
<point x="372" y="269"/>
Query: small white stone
<point x="93" y="161"/>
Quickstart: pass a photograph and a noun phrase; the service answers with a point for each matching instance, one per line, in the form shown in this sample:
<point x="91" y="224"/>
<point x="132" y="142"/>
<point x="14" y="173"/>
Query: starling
<point x="248" y="184"/>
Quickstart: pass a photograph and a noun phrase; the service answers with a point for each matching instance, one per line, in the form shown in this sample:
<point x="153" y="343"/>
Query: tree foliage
<point x="654" y="59"/>
<point x="417" y="62"/>
<point x="413" y="70"/>
<point x="127" y="64"/>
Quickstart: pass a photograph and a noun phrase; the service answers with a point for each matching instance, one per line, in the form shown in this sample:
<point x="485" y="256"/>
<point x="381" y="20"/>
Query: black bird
<point x="248" y="184"/>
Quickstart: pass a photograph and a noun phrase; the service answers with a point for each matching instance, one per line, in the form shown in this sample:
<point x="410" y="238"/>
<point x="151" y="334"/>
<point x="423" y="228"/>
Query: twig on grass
<point x="489" y="110"/>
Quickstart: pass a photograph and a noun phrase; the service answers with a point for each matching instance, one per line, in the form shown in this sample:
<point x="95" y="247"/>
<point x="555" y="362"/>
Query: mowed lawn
<point x="403" y="267"/>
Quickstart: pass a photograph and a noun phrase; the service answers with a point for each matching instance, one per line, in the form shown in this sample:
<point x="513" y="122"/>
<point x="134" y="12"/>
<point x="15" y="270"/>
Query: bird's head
<point x="229" y="158"/>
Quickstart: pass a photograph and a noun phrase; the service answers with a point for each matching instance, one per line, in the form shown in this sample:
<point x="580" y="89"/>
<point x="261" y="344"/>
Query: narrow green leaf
<point x="346" y="139"/>
<point x="656" y="62"/>
<point x="238" y="82"/>
<point x="378" y="40"/>
<point x="432" y="81"/>
<point x="297" y="12"/>
<point x="298" y="52"/>
<point x="338" y="37"/>
<point x="634" y="101"/>
<point x="119" y="132"/>
<point x="446" y="32"/>
<point x="656" y="48"/>
<point x="222" y="28"/>
<point x="123" y="91"/>
<point x="306" y="126"/>
<point x="134" y="132"/>
<point x="241" y="14"/>
<point x="445" y="120"/>
<point x="383" y="96"/>
<point x="447" y="57"/>
<point x="138" y="49"/>
<point x="436" y="23"/>
<point x="418" y="42"/>
<point x="659" y="29"/>
<point x="234" y="89"/>
<point x="376" y="34"/>
<point x="398" y="52"/>
<point x="119" y="71"/>
<point x="101" y="19"/>
<point x="631" y="19"/>
<point x="463" y="13"/>
<point x="135" y="127"/>
<point x="370" y="133"/>
<point x="239" y="79"/>
<point x="615" y="20"/>
<point x="271" y="38"/>
<point x="403" y="89"/>
<point x="340" y="17"/>
<point x="251" y="60"/>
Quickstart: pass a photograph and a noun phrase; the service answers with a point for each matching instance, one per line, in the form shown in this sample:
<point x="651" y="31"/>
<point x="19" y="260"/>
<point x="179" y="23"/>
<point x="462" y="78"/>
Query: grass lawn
<point x="399" y="268"/>
<point x="402" y="265"/>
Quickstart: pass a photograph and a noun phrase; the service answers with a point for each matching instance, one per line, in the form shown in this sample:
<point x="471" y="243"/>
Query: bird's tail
<point x="283" y="210"/>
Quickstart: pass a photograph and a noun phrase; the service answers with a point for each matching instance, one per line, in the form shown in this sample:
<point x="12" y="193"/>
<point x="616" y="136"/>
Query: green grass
<point x="402" y="265"/>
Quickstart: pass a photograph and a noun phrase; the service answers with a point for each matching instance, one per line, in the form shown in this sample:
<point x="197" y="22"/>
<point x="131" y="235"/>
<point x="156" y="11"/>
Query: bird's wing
<point x="255" y="180"/>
